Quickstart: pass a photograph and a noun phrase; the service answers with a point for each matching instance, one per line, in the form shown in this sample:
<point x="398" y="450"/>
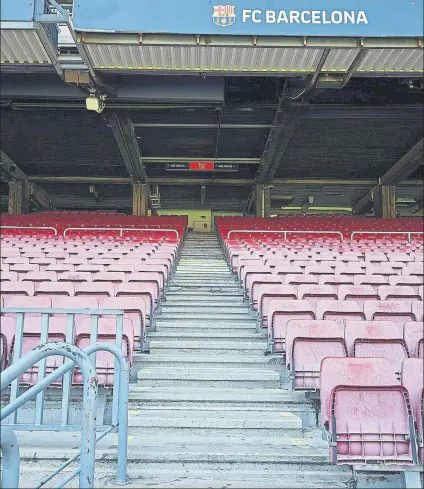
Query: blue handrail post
<point x="10" y="459"/>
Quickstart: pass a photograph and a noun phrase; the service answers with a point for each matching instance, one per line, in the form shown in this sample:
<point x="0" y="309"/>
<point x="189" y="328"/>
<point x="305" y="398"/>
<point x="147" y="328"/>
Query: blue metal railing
<point x="119" y="421"/>
<point x="85" y="470"/>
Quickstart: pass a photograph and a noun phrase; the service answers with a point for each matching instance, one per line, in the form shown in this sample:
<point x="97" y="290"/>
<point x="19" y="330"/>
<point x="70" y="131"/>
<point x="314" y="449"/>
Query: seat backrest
<point x="319" y="270"/>
<point x="413" y="333"/>
<point x="376" y="339"/>
<point x="375" y="257"/>
<point x="300" y="328"/>
<point x="90" y="268"/>
<point x="8" y="276"/>
<point x="286" y="269"/>
<point x="413" y="269"/>
<point x="17" y="288"/>
<point x="314" y="292"/>
<point x="405" y="293"/>
<point x="148" y="277"/>
<point x="80" y="302"/>
<point x="335" y="280"/>
<point x="340" y="311"/>
<point x="399" y="257"/>
<point x="60" y="268"/>
<point x="75" y="277"/>
<point x="40" y="277"/>
<point x="355" y="372"/>
<point x="358" y="293"/>
<point x="137" y="289"/>
<point x="397" y="311"/>
<point x="381" y="269"/>
<point x="115" y="277"/>
<point x="299" y="279"/>
<point x="55" y="288"/>
<point x="255" y="280"/>
<point x="268" y="292"/>
<point x="117" y="267"/>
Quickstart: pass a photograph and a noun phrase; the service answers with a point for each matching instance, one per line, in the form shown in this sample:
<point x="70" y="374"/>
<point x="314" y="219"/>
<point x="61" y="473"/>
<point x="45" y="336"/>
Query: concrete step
<point x="196" y="360"/>
<point x="208" y="348"/>
<point x="202" y="334"/>
<point x="200" y="301"/>
<point x="208" y="377"/>
<point x="208" y="420"/>
<point x="211" y="308"/>
<point x="207" y="328"/>
<point x="210" y="314"/>
<point x="178" y="294"/>
<point x="202" y="287"/>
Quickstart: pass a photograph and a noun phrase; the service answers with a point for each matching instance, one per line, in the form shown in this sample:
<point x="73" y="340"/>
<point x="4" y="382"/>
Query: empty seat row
<point x="308" y="342"/>
<point x="280" y="312"/>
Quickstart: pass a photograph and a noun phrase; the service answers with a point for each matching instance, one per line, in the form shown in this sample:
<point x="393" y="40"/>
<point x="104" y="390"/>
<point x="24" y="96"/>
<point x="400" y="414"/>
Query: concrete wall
<point x="196" y="218"/>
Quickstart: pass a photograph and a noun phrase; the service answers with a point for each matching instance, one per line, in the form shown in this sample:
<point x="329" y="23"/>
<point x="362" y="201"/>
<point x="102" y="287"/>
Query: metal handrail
<point x="51" y="228"/>
<point x="408" y="233"/>
<point x="88" y="370"/>
<point x="10" y="459"/>
<point x="121" y="230"/>
<point x="285" y="232"/>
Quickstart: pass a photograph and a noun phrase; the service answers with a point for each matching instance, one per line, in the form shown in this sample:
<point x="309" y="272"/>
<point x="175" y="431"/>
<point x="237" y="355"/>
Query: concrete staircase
<point x="207" y="409"/>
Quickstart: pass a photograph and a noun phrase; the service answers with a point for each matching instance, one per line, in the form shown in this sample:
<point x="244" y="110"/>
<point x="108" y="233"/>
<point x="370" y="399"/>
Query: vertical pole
<point x="19" y="196"/>
<point x="259" y="201"/>
<point x="10" y="459"/>
<point x="140" y="199"/>
<point x="384" y="201"/>
<point x="267" y="201"/>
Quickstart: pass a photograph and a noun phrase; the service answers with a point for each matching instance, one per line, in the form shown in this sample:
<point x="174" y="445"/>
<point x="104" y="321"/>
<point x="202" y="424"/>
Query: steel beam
<point x="201" y="126"/>
<point x="401" y="170"/>
<point x="152" y="180"/>
<point x="285" y="123"/>
<point x="360" y="56"/>
<point x="398" y="112"/>
<point x="167" y="159"/>
<point x="127" y="143"/>
<point x="21" y="191"/>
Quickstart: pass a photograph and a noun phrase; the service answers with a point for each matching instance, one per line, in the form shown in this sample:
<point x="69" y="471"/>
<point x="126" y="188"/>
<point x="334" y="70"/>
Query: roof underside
<point x="57" y="137"/>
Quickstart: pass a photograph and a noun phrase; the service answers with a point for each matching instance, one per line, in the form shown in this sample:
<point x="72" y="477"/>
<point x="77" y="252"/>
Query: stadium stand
<point x="352" y="347"/>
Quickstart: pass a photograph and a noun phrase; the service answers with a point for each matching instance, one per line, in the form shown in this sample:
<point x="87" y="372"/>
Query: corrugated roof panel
<point x="339" y="60"/>
<point x="393" y="60"/>
<point x="22" y="46"/>
<point x="203" y="58"/>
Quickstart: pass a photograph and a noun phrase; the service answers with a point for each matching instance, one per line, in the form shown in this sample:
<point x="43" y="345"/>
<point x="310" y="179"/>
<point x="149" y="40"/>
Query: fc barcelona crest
<point x="224" y="15"/>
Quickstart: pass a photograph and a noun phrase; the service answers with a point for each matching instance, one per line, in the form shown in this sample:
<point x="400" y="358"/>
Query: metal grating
<point x="339" y="60"/>
<point x="393" y="60"/>
<point x="201" y="58"/>
<point x="22" y="46"/>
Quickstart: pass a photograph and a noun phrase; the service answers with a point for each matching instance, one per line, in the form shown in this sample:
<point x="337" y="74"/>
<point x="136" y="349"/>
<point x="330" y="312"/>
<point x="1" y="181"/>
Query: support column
<point x="267" y="201"/>
<point x="19" y="197"/>
<point x="259" y="201"/>
<point x="140" y="199"/>
<point x="385" y="201"/>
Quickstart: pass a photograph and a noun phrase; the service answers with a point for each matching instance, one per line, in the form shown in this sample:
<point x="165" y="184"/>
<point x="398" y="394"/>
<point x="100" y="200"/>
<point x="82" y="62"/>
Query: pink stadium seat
<point x="4" y="267"/>
<point x="376" y="339"/>
<point x="409" y="280"/>
<point x="247" y="270"/>
<point x="8" y="276"/>
<point x="339" y="311"/>
<point x="335" y="280"/>
<point x="8" y="252"/>
<point x="16" y="260"/>
<point x="90" y="268"/>
<point x="60" y="268"/>
<point x="94" y="289"/>
<point x="374" y="280"/>
<point x="413" y="333"/>
<point x="307" y="344"/>
<point x="413" y="269"/>
<point x="299" y="279"/>
<point x="114" y="277"/>
<point x="136" y="312"/>
<point x="276" y="262"/>
<point x="102" y="261"/>
<point x="347" y="256"/>
<point x="40" y="277"/>
<point x="55" y="288"/>
<point x="381" y="269"/>
<point x="280" y="312"/>
<point x="143" y="290"/>
<point x="269" y="292"/>
<point x="405" y="293"/>
<point x="314" y="293"/>
<point x="155" y="268"/>
<point x="74" y="261"/>
<point x="17" y="288"/>
<point x="399" y="257"/>
<point x="355" y="397"/>
<point x="375" y="257"/>
<point x="255" y="283"/>
<point x="59" y="255"/>
<point x="319" y="270"/>
<point x="153" y="278"/>
<point x="32" y="338"/>
<point x="349" y="270"/>
<point x="358" y="293"/>
<point x="75" y="277"/>
<point x="287" y="269"/>
<point x="396" y="311"/>
<point x="105" y="361"/>
<point x="121" y="268"/>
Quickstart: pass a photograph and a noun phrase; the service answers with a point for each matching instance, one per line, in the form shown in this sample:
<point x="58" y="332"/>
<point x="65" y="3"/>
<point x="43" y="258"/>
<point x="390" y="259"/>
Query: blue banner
<point x="347" y="18"/>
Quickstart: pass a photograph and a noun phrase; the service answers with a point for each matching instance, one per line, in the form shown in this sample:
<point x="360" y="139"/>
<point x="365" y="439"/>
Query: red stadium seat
<point x="355" y="394"/>
<point x="307" y="344"/>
